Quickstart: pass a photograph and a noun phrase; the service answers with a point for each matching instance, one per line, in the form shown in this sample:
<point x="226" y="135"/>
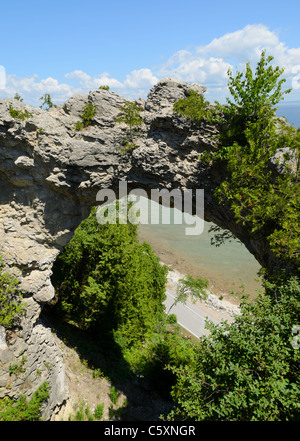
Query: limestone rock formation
<point x="50" y="175"/>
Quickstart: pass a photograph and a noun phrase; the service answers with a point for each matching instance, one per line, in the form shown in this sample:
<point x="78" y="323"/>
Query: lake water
<point x="226" y="267"/>
<point x="291" y="110"/>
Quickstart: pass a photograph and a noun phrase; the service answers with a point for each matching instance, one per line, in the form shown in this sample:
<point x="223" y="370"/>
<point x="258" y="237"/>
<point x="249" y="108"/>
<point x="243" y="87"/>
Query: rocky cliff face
<point x="50" y="175"/>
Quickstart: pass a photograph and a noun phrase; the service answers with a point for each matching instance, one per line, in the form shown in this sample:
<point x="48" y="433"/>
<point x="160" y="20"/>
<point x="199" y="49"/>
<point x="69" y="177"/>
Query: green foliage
<point x="47" y="102"/>
<point x="131" y="117"/>
<point x="194" y="107"/>
<point x="104" y="87"/>
<point x="261" y="201"/>
<point x="113" y="395"/>
<point x="79" y="412"/>
<point x="161" y="348"/>
<point x="78" y="126"/>
<point x="171" y="319"/>
<point x="22" y="409"/>
<point x="253" y="92"/>
<point x="10" y="298"/>
<point x="247" y="370"/>
<point x="190" y="287"/>
<point x="109" y="282"/>
<point x="18" y="114"/>
<point x="98" y="413"/>
<point x="87" y="115"/>
<point x="18" y="97"/>
<point x="17" y="368"/>
<point x="127" y="145"/>
<point x="265" y="201"/>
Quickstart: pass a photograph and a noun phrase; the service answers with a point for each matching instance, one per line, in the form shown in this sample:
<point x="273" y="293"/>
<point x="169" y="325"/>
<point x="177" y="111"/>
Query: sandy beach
<point x="221" y="286"/>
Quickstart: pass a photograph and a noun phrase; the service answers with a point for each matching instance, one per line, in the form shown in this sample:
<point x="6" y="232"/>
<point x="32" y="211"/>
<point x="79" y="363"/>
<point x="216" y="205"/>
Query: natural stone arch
<point x="50" y="175"/>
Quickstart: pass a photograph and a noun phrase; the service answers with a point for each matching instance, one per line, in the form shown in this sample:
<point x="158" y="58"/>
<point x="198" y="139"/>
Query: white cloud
<point x="2" y="78"/>
<point x="89" y="82"/>
<point x="139" y="79"/>
<point x="137" y="83"/>
<point x="244" y="44"/>
<point x="31" y="88"/>
<point x="79" y="75"/>
<point x="207" y="64"/>
<point x="189" y="67"/>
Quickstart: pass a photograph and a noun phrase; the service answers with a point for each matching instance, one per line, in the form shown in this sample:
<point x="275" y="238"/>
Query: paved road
<point x="189" y="316"/>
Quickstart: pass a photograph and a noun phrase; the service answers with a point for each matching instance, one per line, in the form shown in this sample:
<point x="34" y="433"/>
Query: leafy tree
<point x="107" y="281"/>
<point x="254" y="97"/>
<point x="11" y="307"/>
<point x="265" y="201"/>
<point x="104" y="87"/>
<point x="131" y="117"/>
<point x="190" y="287"/>
<point x="171" y="319"/>
<point x="47" y="102"/>
<point x="247" y="370"/>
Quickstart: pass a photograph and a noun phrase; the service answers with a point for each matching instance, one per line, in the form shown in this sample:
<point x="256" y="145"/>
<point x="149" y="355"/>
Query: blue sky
<point x="66" y="47"/>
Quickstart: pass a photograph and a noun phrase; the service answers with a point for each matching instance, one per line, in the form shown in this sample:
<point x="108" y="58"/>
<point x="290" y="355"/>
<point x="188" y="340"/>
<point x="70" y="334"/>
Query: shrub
<point x="18" y="114"/>
<point x="172" y="319"/>
<point x="247" y="370"/>
<point x="18" y="97"/>
<point x="113" y="394"/>
<point x="22" y="409"/>
<point x="194" y="107"/>
<point x="11" y="307"/>
<point x="87" y="115"/>
<point x="265" y="202"/>
<point x="98" y="413"/>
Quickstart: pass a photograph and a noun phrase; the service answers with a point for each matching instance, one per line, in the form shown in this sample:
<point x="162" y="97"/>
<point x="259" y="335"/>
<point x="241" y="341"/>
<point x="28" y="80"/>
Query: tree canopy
<point x="107" y="281"/>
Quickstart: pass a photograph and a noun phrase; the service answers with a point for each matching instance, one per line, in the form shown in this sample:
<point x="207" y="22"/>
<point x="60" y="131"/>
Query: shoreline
<point x="219" y="286"/>
<point x="212" y="303"/>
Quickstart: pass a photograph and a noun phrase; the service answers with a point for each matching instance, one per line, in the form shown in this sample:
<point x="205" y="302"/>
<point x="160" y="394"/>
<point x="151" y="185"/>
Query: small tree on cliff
<point x="87" y="115"/>
<point x="131" y="117"/>
<point x="267" y="202"/>
<point x="47" y="101"/>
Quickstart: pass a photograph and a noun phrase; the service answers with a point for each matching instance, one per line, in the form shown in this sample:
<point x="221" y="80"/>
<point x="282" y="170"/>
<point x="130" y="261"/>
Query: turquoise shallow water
<point x="226" y="267"/>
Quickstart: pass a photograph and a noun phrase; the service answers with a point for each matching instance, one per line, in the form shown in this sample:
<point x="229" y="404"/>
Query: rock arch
<point x="50" y="175"/>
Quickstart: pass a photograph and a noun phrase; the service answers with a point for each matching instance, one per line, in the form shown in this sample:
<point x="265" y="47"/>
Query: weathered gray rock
<point x="283" y="160"/>
<point x="50" y="175"/>
<point x="3" y="344"/>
